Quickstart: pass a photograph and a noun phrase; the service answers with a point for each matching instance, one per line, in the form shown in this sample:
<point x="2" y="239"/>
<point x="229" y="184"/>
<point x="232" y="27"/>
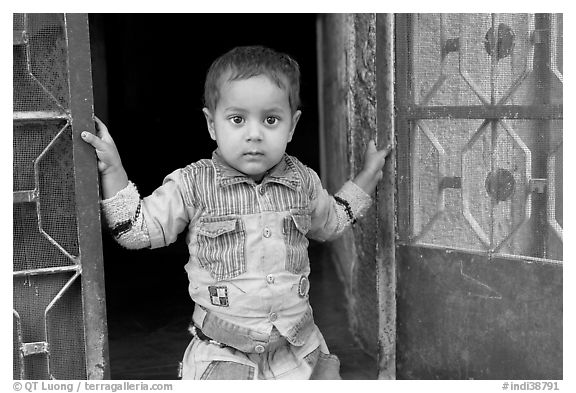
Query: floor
<point x="147" y="341"/>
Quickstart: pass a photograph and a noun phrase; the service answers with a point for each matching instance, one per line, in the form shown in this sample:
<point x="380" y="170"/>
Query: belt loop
<point x="199" y="315"/>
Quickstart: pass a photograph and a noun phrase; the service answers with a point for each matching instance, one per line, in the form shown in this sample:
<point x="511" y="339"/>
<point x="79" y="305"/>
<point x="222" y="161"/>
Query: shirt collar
<point x="284" y="172"/>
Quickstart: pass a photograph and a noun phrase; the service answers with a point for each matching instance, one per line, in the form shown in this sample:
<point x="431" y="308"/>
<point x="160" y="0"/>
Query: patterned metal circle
<point x="500" y="184"/>
<point x="501" y="45"/>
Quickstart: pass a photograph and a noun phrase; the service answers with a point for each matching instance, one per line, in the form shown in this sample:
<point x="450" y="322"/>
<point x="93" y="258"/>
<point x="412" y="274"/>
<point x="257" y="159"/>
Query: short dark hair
<point x="244" y="62"/>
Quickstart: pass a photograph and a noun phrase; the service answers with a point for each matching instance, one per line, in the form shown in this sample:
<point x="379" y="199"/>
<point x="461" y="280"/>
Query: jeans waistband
<point x="275" y="341"/>
<point x="250" y="341"/>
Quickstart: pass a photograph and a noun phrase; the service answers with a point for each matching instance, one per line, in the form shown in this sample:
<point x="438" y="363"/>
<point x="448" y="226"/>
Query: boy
<point x="248" y="212"/>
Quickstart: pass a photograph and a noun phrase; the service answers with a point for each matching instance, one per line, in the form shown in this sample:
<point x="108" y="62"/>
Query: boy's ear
<point x="209" y="123"/>
<point x="295" y="118"/>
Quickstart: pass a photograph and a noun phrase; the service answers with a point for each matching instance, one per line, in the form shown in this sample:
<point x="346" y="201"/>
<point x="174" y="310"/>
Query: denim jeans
<point x="204" y="360"/>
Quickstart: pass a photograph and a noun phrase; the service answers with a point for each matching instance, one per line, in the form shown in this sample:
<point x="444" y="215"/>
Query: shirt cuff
<point x="121" y="207"/>
<point x="358" y="200"/>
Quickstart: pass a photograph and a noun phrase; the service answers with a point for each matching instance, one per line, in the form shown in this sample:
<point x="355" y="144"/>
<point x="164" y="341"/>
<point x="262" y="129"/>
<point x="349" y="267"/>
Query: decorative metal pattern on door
<point x="479" y="158"/>
<point x="58" y="318"/>
<point x="485" y="112"/>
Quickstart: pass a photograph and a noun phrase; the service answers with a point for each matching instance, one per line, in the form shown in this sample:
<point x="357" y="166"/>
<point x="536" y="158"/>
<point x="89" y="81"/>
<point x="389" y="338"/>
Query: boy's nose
<point x="254" y="132"/>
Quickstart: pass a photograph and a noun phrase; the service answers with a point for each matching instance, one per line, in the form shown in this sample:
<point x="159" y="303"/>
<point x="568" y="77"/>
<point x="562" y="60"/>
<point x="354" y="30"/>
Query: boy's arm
<point x="331" y="215"/>
<point x="121" y="204"/>
<point x="151" y="222"/>
<point x="154" y="221"/>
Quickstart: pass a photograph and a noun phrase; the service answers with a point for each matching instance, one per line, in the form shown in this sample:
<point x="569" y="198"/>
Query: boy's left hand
<point x="371" y="173"/>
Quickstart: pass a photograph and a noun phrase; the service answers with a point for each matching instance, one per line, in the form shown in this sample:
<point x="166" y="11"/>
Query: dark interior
<point x="148" y="73"/>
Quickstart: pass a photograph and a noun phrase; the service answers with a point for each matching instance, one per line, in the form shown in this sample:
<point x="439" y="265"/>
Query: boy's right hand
<point x="112" y="173"/>
<point x="108" y="157"/>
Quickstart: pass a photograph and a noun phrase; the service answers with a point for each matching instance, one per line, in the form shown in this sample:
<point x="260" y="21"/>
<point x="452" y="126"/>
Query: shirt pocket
<point x="221" y="246"/>
<point x="296" y="226"/>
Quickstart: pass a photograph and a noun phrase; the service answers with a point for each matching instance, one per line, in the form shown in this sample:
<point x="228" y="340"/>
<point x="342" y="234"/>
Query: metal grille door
<point x="480" y="195"/>
<point x="59" y="316"/>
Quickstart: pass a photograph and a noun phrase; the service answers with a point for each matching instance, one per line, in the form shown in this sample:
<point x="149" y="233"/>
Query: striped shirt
<point x="248" y="241"/>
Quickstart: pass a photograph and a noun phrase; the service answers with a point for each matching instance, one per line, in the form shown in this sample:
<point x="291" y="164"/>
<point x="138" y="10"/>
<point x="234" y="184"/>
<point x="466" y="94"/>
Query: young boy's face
<point x="252" y="124"/>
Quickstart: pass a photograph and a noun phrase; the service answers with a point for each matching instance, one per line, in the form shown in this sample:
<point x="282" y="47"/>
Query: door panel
<point x="462" y="316"/>
<point x="56" y="236"/>
<point x="479" y="129"/>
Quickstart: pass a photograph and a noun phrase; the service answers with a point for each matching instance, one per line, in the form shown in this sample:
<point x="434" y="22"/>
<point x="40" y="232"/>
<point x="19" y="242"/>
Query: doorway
<point x="148" y="72"/>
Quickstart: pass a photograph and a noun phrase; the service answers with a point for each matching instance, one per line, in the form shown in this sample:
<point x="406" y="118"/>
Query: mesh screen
<point x="437" y="212"/>
<point x="556" y="93"/>
<point x="36" y="367"/>
<point x="435" y="74"/>
<point x="531" y="223"/>
<point x="32" y="250"/>
<point x="39" y="66"/>
<point x="558" y="42"/>
<point x="452" y="65"/>
<point x="28" y="95"/>
<point x="42" y="290"/>
<point x="29" y="140"/>
<point x="47" y="43"/>
<point x="476" y="184"/>
<point x="18" y="21"/>
<point x="67" y="339"/>
<point x="56" y="197"/>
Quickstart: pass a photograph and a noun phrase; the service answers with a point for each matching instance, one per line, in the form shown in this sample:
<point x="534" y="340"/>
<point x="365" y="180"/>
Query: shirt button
<point x="267" y="232"/>
<point x="259" y="348"/>
<point x="270" y="279"/>
<point x="262" y="191"/>
<point x="273" y="316"/>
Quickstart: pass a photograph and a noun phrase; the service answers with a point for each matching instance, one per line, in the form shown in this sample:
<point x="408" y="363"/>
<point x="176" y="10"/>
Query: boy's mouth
<point x="253" y="154"/>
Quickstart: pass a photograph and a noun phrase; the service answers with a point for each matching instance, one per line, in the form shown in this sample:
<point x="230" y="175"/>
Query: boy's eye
<point x="271" y="120"/>
<point x="236" y="119"/>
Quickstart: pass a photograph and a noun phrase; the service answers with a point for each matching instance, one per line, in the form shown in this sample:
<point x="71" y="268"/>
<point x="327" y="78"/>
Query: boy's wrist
<point x="113" y="181"/>
<point x="113" y="170"/>
<point x="367" y="180"/>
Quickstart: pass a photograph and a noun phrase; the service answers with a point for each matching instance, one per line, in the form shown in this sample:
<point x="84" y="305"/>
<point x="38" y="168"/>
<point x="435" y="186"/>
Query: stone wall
<point x="348" y="122"/>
